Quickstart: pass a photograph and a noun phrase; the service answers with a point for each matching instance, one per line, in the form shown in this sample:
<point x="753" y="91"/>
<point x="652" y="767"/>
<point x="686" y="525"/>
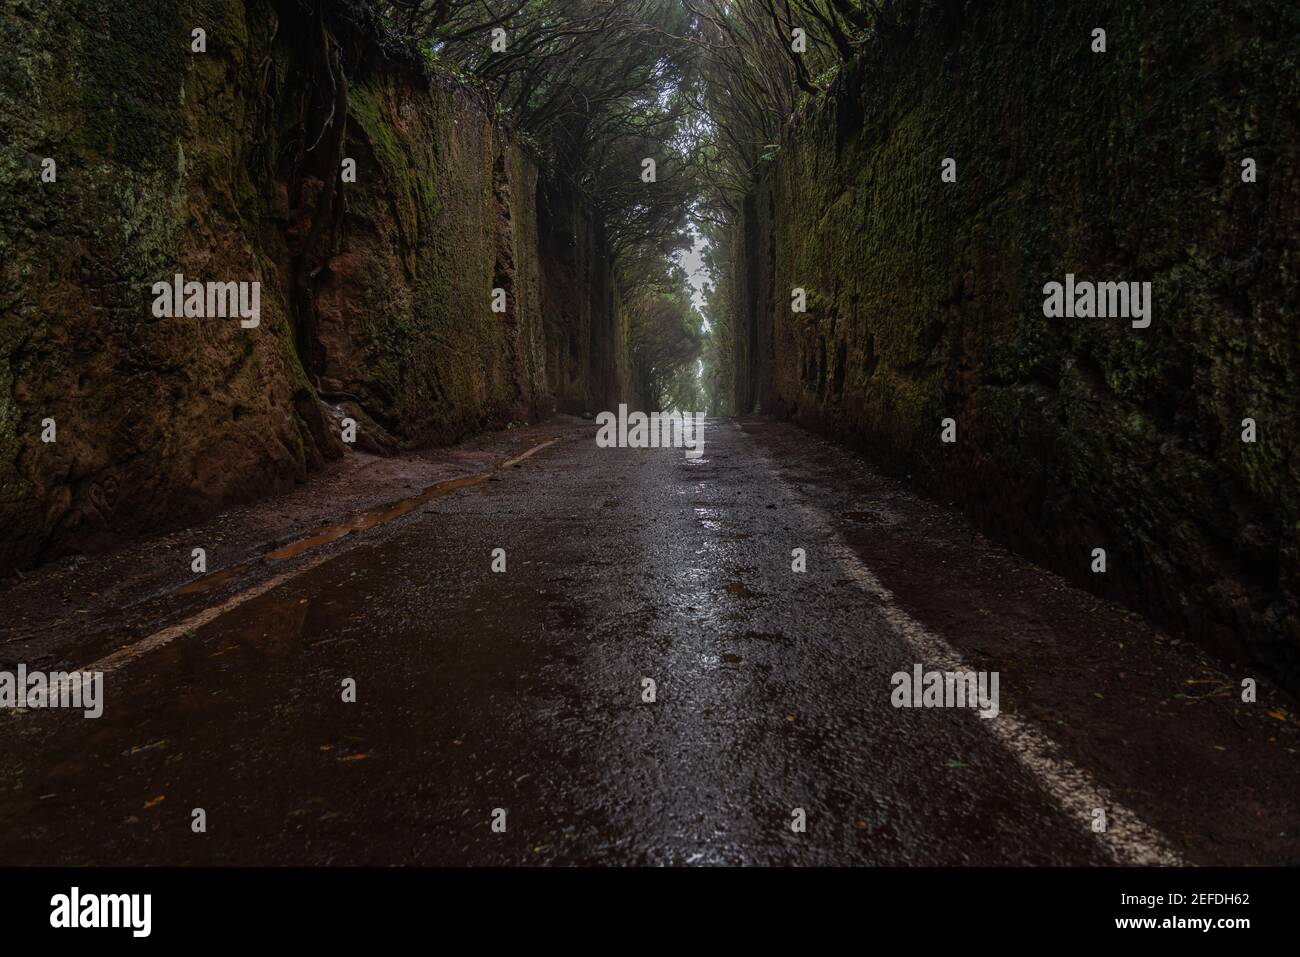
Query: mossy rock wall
<point x="925" y="298"/>
<point x="156" y="418"/>
<point x="201" y="163"/>
<point x="442" y="214"/>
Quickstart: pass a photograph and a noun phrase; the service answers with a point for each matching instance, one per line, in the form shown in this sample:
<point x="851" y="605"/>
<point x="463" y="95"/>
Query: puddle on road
<point x="875" y="513"/>
<point x="741" y="589"/>
<point x="216" y="578"/>
<point x="361" y="522"/>
<point x="374" y="517"/>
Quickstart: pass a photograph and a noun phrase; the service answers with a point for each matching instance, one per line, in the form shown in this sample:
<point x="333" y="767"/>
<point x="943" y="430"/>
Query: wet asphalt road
<point x="523" y="691"/>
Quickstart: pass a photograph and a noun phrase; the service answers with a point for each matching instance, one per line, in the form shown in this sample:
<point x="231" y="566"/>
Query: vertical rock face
<point x="402" y="312"/>
<point x="225" y="165"/>
<point x="155" y="417"/>
<point x="925" y="298"/>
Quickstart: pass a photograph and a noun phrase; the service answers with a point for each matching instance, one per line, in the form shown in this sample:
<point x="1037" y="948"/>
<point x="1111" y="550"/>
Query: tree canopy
<point x="701" y="87"/>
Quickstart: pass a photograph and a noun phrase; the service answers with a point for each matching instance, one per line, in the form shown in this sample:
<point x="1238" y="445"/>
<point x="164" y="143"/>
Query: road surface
<point x="524" y="690"/>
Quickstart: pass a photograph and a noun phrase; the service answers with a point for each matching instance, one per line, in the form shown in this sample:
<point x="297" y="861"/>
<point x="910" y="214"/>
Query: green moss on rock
<point x="1120" y="167"/>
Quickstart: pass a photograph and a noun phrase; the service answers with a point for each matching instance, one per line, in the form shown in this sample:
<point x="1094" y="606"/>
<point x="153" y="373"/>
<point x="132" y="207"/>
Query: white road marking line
<point x="1128" y="839"/>
<point x="128" y="653"/>
<point x="158" y="639"/>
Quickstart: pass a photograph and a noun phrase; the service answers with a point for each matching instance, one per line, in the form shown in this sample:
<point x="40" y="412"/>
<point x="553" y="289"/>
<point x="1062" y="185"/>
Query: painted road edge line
<point x="128" y="653"/>
<point x="1127" y="838"/>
